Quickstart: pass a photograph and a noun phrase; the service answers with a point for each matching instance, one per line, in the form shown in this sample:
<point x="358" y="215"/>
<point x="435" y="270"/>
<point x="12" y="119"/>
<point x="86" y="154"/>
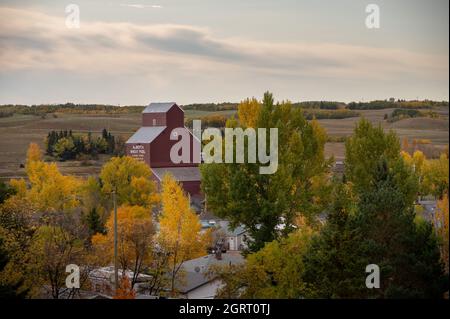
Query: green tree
<point x="364" y="150"/>
<point x="65" y="148"/>
<point x="101" y="145"/>
<point x="273" y="272"/>
<point x="331" y="262"/>
<point x="261" y="202"/>
<point x="93" y="198"/>
<point x="383" y="231"/>
<point x="5" y="192"/>
<point x="94" y="222"/>
<point x="403" y="246"/>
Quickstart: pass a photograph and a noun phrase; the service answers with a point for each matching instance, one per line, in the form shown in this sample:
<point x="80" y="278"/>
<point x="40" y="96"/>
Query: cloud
<point x="140" y="6"/>
<point x="31" y="40"/>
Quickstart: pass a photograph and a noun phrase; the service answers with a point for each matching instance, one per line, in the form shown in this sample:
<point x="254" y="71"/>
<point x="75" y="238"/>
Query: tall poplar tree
<point x="268" y="204"/>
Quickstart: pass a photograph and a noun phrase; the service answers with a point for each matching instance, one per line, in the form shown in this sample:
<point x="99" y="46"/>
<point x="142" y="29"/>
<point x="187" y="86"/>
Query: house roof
<point x="223" y="225"/>
<point x="181" y="174"/>
<point x="159" y="107"/>
<point x="202" y="263"/>
<point x="192" y="280"/>
<point x="108" y="273"/>
<point x="195" y="269"/>
<point x="146" y="134"/>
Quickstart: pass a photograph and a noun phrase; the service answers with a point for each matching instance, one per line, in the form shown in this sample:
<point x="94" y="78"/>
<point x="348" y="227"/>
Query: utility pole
<point x="116" y="268"/>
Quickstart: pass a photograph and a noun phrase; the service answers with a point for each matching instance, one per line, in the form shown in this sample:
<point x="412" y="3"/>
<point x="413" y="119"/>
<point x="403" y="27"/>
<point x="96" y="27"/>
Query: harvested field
<point x="19" y="130"/>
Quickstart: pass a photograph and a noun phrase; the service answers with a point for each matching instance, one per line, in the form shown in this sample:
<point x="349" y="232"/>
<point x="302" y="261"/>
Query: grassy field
<point x="19" y="130"/>
<point x="435" y="130"/>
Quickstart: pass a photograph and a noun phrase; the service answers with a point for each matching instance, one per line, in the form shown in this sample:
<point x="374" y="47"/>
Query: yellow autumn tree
<point x="417" y="162"/>
<point x="50" y="190"/>
<point x="34" y="153"/>
<point x="180" y="229"/>
<point x="130" y="179"/>
<point x="134" y="237"/>
<point x="248" y="112"/>
<point x="143" y="192"/>
<point x="435" y="176"/>
<point x="442" y="229"/>
<point x="19" y="186"/>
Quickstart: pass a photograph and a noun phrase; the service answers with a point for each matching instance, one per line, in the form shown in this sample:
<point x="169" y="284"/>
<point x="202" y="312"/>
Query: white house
<point x="196" y="284"/>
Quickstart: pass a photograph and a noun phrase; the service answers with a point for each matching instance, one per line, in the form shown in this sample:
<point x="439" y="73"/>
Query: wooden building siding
<point x="156" y="153"/>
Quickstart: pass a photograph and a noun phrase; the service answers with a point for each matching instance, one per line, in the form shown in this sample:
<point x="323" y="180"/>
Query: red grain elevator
<point x="152" y="144"/>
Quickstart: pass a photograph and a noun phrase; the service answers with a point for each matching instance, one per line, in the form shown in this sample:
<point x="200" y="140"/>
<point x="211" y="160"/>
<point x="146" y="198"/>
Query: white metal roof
<point x="159" y="107"/>
<point x="195" y="270"/>
<point x="181" y="174"/>
<point x="146" y="134"/>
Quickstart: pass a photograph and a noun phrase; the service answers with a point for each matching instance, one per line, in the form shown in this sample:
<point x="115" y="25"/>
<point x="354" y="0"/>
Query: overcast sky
<point x="137" y="51"/>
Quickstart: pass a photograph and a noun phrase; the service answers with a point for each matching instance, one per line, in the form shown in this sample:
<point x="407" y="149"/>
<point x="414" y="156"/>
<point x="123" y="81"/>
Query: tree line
<point x="219" y="121"/>
<point x="321" y="114"/>
<point x="42" y="109"/>
<point x="69" y="108"/>
<point x="65" y="145"/>
<point x="226" y="106"/>
<point x="400" y="114"/>
<point x="386" y="104"/>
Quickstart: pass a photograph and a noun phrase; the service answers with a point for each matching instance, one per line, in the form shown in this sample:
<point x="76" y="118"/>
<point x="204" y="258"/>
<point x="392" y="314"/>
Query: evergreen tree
<point x="48" y="143"/>
<point x="52" y="139"/>
<point x="381" y="229"/>
<point x="94" y="222"/>
<point x="5" y="192"/>
<point x="79" y="145"/>
<point x="384" y="231"/>
<point x="403" y="246"/>
<point x="331" y="263"/>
